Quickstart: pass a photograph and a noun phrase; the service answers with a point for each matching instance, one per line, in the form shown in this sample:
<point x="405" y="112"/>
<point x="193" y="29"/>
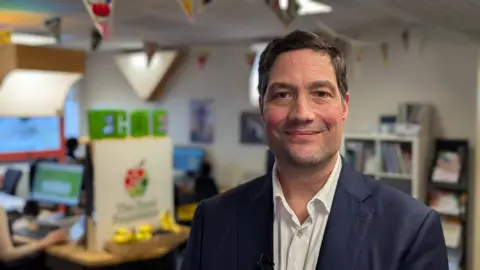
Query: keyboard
<point x="39" y="233"/>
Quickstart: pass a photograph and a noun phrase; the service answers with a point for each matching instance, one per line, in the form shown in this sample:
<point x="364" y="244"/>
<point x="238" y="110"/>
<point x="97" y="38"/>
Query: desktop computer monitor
<point x="188" y="159"/>
<point x="57" y="183"/>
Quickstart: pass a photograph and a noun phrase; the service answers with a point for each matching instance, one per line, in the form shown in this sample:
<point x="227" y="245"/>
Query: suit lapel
<point x="347" y="224"/>
<point x="255" y="225"/>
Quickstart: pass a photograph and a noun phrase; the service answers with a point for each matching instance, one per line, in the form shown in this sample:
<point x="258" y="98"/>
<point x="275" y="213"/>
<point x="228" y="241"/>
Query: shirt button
<point x="299" y="234"/>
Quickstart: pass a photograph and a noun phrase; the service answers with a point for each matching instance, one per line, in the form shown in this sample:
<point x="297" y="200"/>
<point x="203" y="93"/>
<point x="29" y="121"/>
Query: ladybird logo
<point x="136" y="181"/>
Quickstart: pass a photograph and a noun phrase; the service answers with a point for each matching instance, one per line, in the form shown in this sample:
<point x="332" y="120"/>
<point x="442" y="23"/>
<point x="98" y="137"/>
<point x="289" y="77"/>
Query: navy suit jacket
<point x="371" y="227"/>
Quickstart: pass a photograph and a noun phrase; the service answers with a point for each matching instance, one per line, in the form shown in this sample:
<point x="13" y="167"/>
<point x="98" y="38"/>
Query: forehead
<point x="306" y="65"/>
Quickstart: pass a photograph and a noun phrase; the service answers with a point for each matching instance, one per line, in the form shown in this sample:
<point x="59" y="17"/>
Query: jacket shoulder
<point x="234" y="196"/>
<point x="393" y="203"/>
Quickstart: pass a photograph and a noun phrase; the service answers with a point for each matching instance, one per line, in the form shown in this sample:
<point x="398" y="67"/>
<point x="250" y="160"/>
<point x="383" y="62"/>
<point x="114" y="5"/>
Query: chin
<point x="305" y="159"/>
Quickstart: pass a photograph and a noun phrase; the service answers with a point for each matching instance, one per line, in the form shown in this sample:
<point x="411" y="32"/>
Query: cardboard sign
<point x="133" y="182"/>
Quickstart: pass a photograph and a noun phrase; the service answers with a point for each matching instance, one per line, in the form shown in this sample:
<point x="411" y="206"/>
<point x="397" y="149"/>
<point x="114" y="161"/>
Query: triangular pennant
<point x="54" y="25"/>
<point x="101" y="13"/>
<point x="357" y="64"/>
<point x="286" y="15"/>
<point x="150" y="49"/>
<point x="203" y="5"/>
<point x="202" y="58"/>
<point x="188" y="7"/>
<point x="406" y="39"/>
<point x="251" y="58"/>
<point x="96" y="39"/>
<point x="5" y="36"/>
<point x="384" y="48"/>
<point x="145" y="80"/>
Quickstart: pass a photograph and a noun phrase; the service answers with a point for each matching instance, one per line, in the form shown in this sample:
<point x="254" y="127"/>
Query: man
<point x="313" y="211"/>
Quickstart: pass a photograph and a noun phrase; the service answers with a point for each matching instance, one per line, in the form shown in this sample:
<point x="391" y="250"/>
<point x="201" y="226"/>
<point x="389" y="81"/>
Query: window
<point x="71" y="115"/>
<point x="253" y="91"/>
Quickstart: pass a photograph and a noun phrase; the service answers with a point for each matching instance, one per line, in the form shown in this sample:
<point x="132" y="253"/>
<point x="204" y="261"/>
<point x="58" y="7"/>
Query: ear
<point x="345" y="101"/>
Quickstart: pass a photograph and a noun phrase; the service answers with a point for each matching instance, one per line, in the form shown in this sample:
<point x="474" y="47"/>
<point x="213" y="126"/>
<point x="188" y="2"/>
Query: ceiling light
<point x="307" y="7"/>
<point x="34" y="40"/>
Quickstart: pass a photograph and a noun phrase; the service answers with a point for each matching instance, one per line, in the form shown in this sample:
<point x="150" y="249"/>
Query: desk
<point x="11" y="203"/>
<point x="79" y="258"/>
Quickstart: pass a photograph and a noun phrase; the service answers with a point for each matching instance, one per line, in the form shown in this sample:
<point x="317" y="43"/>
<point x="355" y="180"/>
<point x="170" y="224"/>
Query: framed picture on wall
<point x="251" y="128"/>
<point x="201" y="121"/>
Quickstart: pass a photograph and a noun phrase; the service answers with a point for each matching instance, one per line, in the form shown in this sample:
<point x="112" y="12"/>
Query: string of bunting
<point x="348" y="44"/>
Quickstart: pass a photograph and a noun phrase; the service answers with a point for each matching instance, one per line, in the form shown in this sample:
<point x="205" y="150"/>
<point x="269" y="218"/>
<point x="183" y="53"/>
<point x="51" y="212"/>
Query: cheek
<point x="274" y="118"/>
<point x="332" y="115"/>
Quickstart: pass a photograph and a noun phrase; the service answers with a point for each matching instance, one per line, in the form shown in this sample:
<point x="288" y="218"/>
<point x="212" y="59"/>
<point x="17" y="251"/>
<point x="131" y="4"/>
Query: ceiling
<point x="163" y="21"/>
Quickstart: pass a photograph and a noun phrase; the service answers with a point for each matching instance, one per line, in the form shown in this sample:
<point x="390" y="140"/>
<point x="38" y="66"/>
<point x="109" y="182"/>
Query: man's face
<point x="303" y="109"/>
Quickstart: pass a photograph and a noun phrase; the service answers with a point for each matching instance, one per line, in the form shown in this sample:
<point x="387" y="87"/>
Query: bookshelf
<point x="399" y="161"/>
<point x="448" y="195"/>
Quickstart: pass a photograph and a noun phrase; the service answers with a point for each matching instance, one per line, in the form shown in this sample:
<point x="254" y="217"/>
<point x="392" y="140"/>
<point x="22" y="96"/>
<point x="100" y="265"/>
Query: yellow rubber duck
<point x="167" y="223"/>
<point x="122" y="236"/>
<point x="144" y="233"/>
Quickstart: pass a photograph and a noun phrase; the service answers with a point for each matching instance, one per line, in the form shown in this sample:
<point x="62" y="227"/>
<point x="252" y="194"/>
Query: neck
<point x="304" y="184"/>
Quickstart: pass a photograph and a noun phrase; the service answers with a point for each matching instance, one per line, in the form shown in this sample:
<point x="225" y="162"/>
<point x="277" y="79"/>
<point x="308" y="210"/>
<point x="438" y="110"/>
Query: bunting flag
<point x="384" y="48"/>
<point x="101" y="12"/>
<point x="150" y="50"/>
<point x="406" y="39"/>
<point x="286" y="16"/>
<point x="96" y="39"/>
<point x="203" y="5"/>
<point x="251" y="58"/>
<point x="5" y="36"/>
<point x="188" y="7"/>
<point x="202" y="58"/>
<point x="357" y="64"/>
<point x="54" y="26"/>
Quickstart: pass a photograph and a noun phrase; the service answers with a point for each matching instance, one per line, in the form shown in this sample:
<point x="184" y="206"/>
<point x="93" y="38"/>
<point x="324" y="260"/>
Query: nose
<point x="302" y="110"/>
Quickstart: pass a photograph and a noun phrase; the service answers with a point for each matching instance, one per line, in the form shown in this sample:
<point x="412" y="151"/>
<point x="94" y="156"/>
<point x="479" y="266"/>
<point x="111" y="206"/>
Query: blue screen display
<point x="29" y="134"/>
<point x="187" y="159"/>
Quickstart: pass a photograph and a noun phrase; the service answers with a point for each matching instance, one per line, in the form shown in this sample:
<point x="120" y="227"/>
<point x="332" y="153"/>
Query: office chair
<point x="10" y="181"/>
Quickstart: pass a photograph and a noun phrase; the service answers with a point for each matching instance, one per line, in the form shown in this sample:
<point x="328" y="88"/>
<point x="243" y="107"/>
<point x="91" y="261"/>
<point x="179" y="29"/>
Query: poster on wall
<point x="251" y="128"/>
<point x="202" y="121"/>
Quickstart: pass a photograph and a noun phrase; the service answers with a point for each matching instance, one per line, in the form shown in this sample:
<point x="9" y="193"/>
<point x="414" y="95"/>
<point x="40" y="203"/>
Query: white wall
<point x="224" y="77"/>
<point x="443" y="74"/>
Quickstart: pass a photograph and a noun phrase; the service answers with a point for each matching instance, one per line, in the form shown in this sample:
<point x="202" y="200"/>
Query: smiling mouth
<point x="302" y="132"/>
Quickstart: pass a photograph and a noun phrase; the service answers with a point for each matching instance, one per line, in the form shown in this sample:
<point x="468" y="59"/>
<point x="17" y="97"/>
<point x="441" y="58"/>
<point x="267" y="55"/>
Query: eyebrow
<point x="313" y="85"/>
<point x="277" y="85"/>
<point x="321" y="84"/>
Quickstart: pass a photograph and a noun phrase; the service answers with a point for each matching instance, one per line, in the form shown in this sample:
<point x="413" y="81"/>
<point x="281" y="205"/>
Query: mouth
<point x="302" y="133"/>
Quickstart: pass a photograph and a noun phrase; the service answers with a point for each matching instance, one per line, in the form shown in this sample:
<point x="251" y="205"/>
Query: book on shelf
<point x="396" y="158"/>
<point x="452" y="231"/>
<point x="447" y="168"/>
<point x="412" y="113"/>
<point x="448" y="203"/>
<point x="361" y="155"/>
<point x="454" y="259"/>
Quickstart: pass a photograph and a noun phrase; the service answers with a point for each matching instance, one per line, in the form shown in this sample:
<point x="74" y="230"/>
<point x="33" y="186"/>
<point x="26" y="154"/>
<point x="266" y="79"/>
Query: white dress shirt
<point x="297" y="246"/>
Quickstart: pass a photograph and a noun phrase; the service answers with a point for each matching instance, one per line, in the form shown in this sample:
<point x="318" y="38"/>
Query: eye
<point x="320" y="94"/>
<point x="282" y="95"/>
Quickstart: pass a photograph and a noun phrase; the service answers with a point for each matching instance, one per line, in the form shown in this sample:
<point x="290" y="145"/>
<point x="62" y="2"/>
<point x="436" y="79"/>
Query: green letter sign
<point x="104" y="124"/>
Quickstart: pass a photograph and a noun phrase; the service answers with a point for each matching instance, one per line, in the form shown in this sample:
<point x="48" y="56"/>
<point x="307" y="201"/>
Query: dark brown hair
<point x="298" y="40"/>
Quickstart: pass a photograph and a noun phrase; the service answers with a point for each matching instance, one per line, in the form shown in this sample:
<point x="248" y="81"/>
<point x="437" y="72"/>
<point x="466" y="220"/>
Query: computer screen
<point x="57" y="183"/>
<point x="188" y="159"/>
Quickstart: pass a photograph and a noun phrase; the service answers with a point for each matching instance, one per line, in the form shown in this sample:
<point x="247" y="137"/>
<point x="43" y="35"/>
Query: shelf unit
<point x="400" y="161"/>
<point x="454" y="195"/>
